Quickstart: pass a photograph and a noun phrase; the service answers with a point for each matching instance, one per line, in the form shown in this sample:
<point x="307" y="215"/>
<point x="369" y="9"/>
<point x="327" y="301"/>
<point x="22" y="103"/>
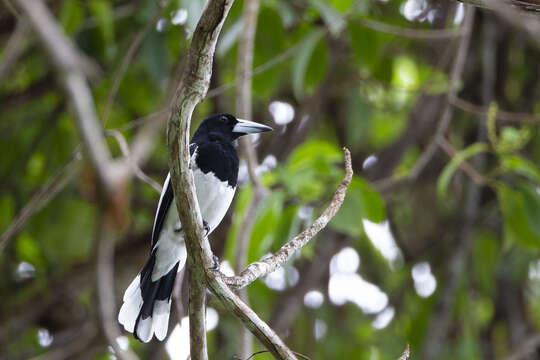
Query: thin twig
<point x="502" y="115"/>
<point x="112" y="175"/>
<point x="264" y="267"/>
<point x="446" y="117"/>
<point x="14" y="48"/>
<point x="80" y="339"/>
<point x="467" y="168"/>
<point x="421" y="34"/>
<point x="526" y="348"/>
<point x="406" y="353"/>
<point x="243" y="110"/>
<point x="266" y="351"/>
<point x="124" y="148"/>
<point x="510" y="13"/>
<point x="441" y="322"/>
<point x="105" y="283"/>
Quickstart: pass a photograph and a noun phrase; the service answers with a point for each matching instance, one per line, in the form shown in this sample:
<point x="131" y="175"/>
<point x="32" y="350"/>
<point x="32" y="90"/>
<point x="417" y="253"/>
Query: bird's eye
<point x="223" y="119"/>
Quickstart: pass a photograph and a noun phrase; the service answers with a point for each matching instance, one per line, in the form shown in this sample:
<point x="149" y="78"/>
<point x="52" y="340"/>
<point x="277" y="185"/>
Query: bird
<point x="214" y="162"/>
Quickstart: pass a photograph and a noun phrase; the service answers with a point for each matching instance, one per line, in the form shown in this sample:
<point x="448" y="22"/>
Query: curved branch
<point x="264" y="267"/>
<point x="193" y="87"/>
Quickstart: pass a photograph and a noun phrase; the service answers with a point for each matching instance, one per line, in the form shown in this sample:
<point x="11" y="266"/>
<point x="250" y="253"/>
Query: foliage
<point x="349" y="84"/>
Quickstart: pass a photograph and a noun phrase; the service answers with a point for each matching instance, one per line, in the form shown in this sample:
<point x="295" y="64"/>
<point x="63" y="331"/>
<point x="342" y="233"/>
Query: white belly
<point x="214" y="198"/>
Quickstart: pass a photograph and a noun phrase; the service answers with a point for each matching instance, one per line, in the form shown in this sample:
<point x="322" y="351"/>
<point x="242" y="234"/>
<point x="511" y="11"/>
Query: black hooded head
<point x="226" y="128"/>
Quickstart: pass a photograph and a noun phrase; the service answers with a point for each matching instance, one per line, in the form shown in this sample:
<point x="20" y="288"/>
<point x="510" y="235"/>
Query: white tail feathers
<point x="144" y="329"/>
<point x="131" y="307"/>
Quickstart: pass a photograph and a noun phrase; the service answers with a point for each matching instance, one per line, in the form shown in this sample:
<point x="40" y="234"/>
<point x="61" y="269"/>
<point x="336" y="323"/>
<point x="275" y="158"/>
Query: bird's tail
<point x="147" y="303"/>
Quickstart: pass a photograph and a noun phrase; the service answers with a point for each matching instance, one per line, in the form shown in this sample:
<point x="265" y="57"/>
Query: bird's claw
<point x="206" y="228"/>
<point x="215" y="267"/>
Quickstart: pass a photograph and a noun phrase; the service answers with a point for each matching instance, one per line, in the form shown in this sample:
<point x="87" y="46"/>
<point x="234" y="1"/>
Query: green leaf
<point x="331" y="17"/>
<point x="516" y="221"/>
<point x="310" y="169"/>
<point x="452" y="166"/>
<point x="531" y="202"/>
<point x="358" y="122"/>
<point x="512" y="139"/>
<point x="485" y="258"/>
<point x="286" y="12"/>
<point x="361" y="202"/>
<point x="27" y="250"/>
<point x="7" y="211"/>
<point x="405" y="74"/>
<point x="270" y="39"/>
<point x="521" y="166"/>
<point x="103" y="13"/>
<point x="367" y="45"/>
<point x="302" y="157"/>
<point x="71" y="16"/>
<point x="491" y="124"/>
<point x="302" y="61"/>
<point x="262" y="236"/>
<point x="343" y="5"/>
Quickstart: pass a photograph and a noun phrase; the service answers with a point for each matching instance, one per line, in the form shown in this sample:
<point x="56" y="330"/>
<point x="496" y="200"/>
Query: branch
<point x="112" y="175"/>
<point x="264" y="267"/>
<point x="526" y="348"/>
<point x="446" y="117"/>
<point x="520" y="6"/>
<point x="406" y="353"/>
<point x="106" y="234"/>
<point x="422" y="34"/>
<point x="438" y="329"/>
<point x="467" y="168"/>
<point x="244" y="110"/>
<point x="510" y="12"/>
<point x="502" y="115"/>
<point x="14" y="48"/>
<point x="124" y="148"/>
<point x="192" y="89"/>
<point x="68" y="64"/>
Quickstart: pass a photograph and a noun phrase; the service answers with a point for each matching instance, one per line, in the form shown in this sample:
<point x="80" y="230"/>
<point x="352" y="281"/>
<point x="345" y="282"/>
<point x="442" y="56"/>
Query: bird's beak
<point x="250" y="127"/>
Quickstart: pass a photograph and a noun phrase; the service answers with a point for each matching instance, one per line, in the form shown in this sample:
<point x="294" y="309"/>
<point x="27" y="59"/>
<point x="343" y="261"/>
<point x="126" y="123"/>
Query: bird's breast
<point x="214" y="196"/>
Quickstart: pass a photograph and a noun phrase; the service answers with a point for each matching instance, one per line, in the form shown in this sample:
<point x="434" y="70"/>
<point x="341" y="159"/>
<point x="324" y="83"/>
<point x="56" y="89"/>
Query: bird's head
<point x="226" y="127"/>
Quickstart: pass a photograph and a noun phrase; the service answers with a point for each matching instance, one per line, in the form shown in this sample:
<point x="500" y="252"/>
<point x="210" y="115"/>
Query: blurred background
<point x="437" y="243"/>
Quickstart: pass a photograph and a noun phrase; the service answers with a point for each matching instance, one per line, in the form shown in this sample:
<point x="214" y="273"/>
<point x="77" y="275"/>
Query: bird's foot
<point x="215" y="267"/>
<point x="206" y="228"/>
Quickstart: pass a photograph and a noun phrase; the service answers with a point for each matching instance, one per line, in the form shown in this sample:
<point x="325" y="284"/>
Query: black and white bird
<point x="214" y="161"/>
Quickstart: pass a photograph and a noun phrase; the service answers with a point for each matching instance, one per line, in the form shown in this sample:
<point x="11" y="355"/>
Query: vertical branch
<point x="438" y="327"/>
<point x="243" y="81"/>
<point x="243" y="110"/>
<point x="106" y="235"/>
<point x="192" y="89"/>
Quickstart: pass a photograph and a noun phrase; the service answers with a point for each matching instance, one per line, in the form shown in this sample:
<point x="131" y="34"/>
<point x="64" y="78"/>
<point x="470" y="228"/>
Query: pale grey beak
<point x="250" y="127"/>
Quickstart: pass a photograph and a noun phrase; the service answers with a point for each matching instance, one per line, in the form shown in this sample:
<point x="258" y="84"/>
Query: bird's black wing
<point x="165" y="201"/>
